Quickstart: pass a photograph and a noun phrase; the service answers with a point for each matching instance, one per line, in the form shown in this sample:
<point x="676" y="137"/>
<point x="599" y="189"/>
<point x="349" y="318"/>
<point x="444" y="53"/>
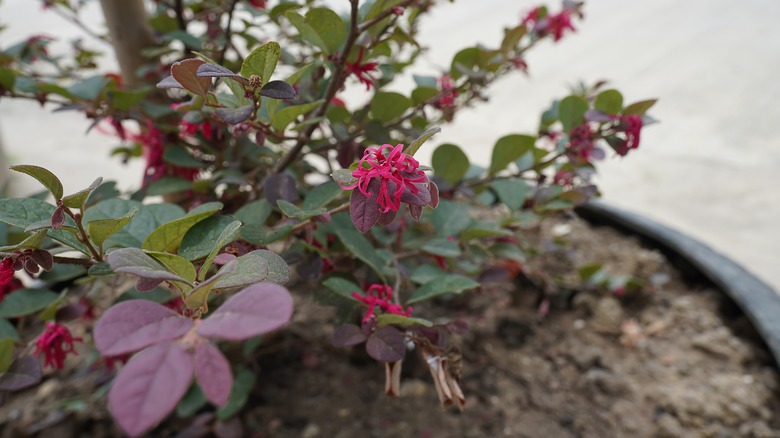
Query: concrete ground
<point x="709" y="168"/>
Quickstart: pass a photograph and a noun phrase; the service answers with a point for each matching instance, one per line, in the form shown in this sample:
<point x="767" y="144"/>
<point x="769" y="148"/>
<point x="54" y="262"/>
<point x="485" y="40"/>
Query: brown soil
<point x="674" y="360"/>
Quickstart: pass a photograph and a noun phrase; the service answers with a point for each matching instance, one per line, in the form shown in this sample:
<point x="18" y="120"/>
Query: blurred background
<point x="709" y="168"/>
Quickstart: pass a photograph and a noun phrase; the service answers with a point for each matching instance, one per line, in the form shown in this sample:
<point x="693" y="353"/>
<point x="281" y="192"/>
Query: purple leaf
<point x="224" y="258"/>
<point x="147" y="284"/>
<point x="280" y="186"/>
<point x="434" y="195"/>
<point x="278" y="90"/>
<point x="234" y="116"/>
<point x="169" y="82"/>
<point x="24" y="372"/>
<point x="364" y="210"/>
<point x="422" y="197"/>
<point x="149" y="386"/>
<point x="387" y="218"/>
<point x="386" y="345"/>
<point x="185" y="73"/>
<point x="135" y="324"/>
<point x="217" y="71"/>
<point x="596" y="116"/>
<point x="255" y="310"/>
<point x="347" y="335"/>
<point x="416" y="212"/>
<point x="213" y="373"/>
<point x="58" y="218"/>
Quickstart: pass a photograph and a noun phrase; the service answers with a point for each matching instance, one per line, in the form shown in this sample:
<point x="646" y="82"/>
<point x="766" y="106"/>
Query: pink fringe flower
<point x="379" y="295"/>
<point x="55" y="344"/>
<point x="631" y="125"/>
<point x="362" y="70"/>
<point x="550" y="24"/>
<point x="6" y="271"/>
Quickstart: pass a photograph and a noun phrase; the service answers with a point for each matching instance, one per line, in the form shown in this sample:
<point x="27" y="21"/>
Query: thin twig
<point x="72" y="261"/>
<point x="178" y="9"/>
<point x="224" y="50"/>
<point x="301" y="225"/>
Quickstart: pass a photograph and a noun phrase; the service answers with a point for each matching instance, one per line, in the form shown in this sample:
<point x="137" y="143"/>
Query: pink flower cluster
<point x="448" y="92"/>
<point x="55" y="344"/>
<point x="549" y="24"/>
<point x="379" y="295"/>
<point x="362" y="70"/>
<point x="6" y="271"/>
<point x="396" y="172"/>
<point x="631" y="126"/>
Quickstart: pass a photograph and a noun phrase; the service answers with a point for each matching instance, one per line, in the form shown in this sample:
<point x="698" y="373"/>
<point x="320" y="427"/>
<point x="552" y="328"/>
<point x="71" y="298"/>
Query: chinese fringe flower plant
<point x="241" y="153"/>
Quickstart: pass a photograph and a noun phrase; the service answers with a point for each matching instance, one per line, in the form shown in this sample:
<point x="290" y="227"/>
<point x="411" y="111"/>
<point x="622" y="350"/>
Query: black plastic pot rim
<point x="759" y="301"/>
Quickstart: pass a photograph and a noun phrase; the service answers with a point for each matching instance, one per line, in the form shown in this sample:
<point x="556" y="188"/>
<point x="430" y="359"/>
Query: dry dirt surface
<point x="676" y="359"/>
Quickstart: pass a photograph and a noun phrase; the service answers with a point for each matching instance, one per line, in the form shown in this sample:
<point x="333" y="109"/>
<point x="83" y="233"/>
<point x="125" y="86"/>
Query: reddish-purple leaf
<point x="135" y="324"/>
<point x="234" y="116"/>
<point x="386" y="345"/>
<point x="217" y="71"/>
<point x="147" y="284"/>
<point x="58" y="218"/>
<point x="149" y="386"/>
<point x="416" y="212"/>
<point x="347" y="335"/>
<point x="596" y="116"/>
<point x="255" y="310"/>
<point x="224" y="258"/>
<point x="280" y="186"/>
<point x="43" y="258"/>
<point x="364" y="210"/>
<point x="169" y="82"/>
<point x="213" y="373"/>
<point x="422" y="197"/>
<point x="278" y="90"/>
<point x="434" y="195"/>
<point x="24" y="372"/>
<point x="185" y="73"/>
<point x="387" y="218"/>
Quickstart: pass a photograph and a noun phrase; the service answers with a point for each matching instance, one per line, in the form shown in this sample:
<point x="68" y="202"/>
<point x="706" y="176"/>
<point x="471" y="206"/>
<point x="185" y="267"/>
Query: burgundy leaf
<point x="43" y="258"/>
<point x="58" y="218"/>
<point x="493" y="274"/>
<point x="255" y="310"/>
<point x="213" y="373"/>
<point x="422" y="197"/>
<point x="347" y="335"/>
<point x="386" y="345"/>
<point x="150" y="386"/>
<point x="280" y="186"/>
<point x="416" y="212"/>
<point x="147" y="284"/>
<point x="596" y="116"/>
<point x="232" y="428"/>
<point x="387" y="218"/>
<point x="135" y="324"/>
<point x="346" y="153"/>
<point x="234" y="116"/>
<point x="278" y="90"/>
<point x="364" y="210"/>
<point x="169" y="82"/>
<point x="70" y="312"/>
<point x="185" y="73"/>
<point x="24" y="372"/>
<point x="217" y="71"/>
<point x="224" y="258"/>
<point x="434" y="189"/>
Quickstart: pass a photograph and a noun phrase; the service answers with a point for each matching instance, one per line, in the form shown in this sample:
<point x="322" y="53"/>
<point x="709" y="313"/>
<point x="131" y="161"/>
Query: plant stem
<point x="83" y="236"/>
<point x="72" y="261"/>
<point x="301" y="225"/>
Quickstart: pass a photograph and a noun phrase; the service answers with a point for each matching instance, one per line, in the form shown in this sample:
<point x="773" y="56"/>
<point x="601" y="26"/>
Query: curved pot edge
<point x="759" y="301"/>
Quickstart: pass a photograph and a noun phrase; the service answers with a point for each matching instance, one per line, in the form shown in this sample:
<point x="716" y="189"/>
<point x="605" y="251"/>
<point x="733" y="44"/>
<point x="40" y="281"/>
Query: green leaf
<point x="298" y="75"/>
<point x="449" y="218"/>
<point x="124" y="100"/>
<point x="168" y="185"/>
<point x="7" y="330"/>
<point x="50" y="312"/>
<point x="278" y="270"/>
<point x="609" y="101"/>
<point x="44" y="176"/>
<point x="227" y="235"/>
<point x="401" y="321"/>
<point x="27" y="211"/>
<point x="425" y="136"/>
<point x="342" y="287"/>
<point x="321" y="196"/>
<point x="288" y="114"/>
<point x="357" y="243"/>
<point x="200" y="239"/>
<point x="262" y="61"/>
<point x="329" y="26"/>
<point x="33" y="241"/>
<point x="7" y="78"/>
<point x="102" y="229"/>
<point x="421" y="95"/>
<point x="639" y="108"/>
<point x="425" y="273"/>
<point x="467" y="59"/>
<point x="293" y="211"/>
<point x="249" y="269"/>
<point x="450" y="163"/>
<point x="387" y="106"/>
<point x="191" y="403"/>
<point x="254" y="213"/>
<point x="78" y="199"/>
<point x="148" y="218"/>
<point x="242" y="386"/>
<point x="451" y="284"/>
<point x="6" y="354"/>
<point x="508" y="149"/>
<point x="180" y="157"/>
<point x="136" y="262"/>
<point x="168" y="237"/>
<point x="261" y="235"/>
<point x="175" y="264"/>
<point x="571" y="112"/>
<point x="198" y="297"/>
<point x="343" y="177"/>
<point x="25" y="302"/>
<point x="90" y="88"/>
<point x="482" y="232"/>
<point x="442" y="247"/>
<point x="511" y="192"/>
